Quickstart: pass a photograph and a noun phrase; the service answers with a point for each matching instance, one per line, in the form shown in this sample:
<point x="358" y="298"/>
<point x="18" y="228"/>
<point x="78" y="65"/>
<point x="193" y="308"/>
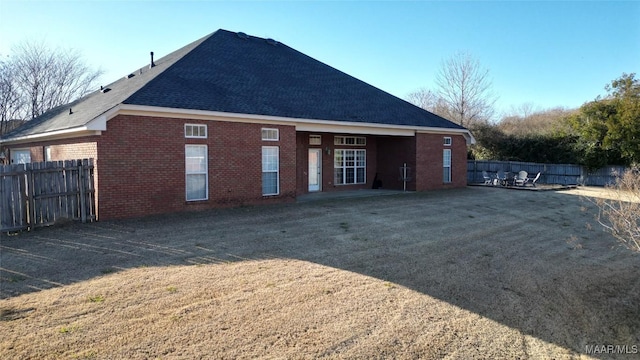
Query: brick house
<point x="233" y="119"/>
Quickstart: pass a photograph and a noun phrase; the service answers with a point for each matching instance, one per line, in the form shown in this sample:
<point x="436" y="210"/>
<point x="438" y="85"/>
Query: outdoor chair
<point x="487" y="178"/>
<point x="521" y="178"/>
<point x="533" y="182"/>
<point x="502" y="177"/>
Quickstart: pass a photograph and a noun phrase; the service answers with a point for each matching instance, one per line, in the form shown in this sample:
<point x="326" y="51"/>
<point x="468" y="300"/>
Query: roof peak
<point x="233" y="72"/>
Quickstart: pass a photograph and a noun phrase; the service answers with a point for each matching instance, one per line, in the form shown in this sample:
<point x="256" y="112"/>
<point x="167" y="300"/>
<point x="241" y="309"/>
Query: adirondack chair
<point x="521" y="178"/>
<point x="487" y="178"/>
<point x="533" y="182"/>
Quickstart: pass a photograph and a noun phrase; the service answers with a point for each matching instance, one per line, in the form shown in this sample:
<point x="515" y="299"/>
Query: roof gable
<point x="235" y="73"/>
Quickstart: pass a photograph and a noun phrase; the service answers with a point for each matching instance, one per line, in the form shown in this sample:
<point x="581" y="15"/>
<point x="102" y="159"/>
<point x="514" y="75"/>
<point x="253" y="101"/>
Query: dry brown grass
<point x="281" y="308"/>
<point x="453" y="274"/>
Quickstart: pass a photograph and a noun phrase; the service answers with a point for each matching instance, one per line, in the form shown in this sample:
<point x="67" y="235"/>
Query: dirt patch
<point x="471" y="273"/>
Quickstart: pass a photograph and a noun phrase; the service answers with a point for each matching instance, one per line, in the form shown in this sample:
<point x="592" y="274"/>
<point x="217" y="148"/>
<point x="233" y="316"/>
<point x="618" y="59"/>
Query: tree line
<point x="604" y="131"/>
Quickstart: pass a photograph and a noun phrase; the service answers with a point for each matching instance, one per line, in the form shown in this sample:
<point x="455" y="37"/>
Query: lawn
<point x="480" y="272"/>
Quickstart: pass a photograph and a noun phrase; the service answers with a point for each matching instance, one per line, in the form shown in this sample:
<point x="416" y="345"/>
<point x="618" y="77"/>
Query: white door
<point x="315" y="169"/>
<point x="20" y="156"/>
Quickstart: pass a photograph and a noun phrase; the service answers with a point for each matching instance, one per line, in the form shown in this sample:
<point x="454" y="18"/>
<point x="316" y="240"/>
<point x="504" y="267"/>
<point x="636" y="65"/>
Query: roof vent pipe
<point x="152" y="63"/>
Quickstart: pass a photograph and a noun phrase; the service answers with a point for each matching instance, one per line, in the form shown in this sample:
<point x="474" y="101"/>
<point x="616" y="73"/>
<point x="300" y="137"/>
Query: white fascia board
<point x="354" y="129"/>
<point x="93" y="127"/>
<point x="464" y="132"/>
<point x="99" y="124"/>
<point x="301" y="124"/>
<point x="144" y="110"/>
<point x="52" y="135"/>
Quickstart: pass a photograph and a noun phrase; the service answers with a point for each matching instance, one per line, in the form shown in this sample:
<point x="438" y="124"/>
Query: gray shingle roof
<point x="98" y="102"/>
<point x="235" y="73"/>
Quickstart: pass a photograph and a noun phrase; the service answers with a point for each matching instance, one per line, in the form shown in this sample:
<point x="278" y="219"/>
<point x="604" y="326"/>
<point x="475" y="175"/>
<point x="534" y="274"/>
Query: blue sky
<point x="547" y="53"/>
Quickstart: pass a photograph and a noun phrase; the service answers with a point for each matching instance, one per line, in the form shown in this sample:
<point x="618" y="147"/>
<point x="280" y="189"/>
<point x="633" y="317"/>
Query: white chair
<point x="521" y="178"/>
<point x="533" y="182"/>
<point x="487" y="178"/>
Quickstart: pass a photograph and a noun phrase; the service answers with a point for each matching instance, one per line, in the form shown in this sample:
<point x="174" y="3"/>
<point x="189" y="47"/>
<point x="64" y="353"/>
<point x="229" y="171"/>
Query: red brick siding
<point x="142" y="169"/>
<point x="459" y="161"/>
<point x="429" y="166"/>
<point x="65" y="149"/>
<point x="143" y="166"/>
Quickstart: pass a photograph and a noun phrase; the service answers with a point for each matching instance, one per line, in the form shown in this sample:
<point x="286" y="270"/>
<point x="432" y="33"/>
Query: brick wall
<point x="458" y="161"/>
<point x="429" y="165"/>
<point x="143" y="166"/>
<point x="65" y="149"/>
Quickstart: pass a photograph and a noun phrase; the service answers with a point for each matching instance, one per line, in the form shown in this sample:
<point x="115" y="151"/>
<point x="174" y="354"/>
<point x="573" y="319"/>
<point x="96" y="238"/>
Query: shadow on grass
<point x="528" y="260"/>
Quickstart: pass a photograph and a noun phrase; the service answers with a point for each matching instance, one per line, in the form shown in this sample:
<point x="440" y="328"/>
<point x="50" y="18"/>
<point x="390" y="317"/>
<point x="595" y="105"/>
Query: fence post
<point x="29" y="193"/>
<point x="83" y="205"/>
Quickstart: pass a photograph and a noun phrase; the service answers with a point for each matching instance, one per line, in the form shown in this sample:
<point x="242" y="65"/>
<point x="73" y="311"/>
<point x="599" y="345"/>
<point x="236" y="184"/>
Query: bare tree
<point x="46" y="78"/>
<point x="620" y="214"/>
<point x="423" y="98"/>
<point x="465" y="87"/>
<point x="524" y="110"/>
<point x="11" y="104"/>
<point x="428" y="100"/>
<point x="524" y="121"/>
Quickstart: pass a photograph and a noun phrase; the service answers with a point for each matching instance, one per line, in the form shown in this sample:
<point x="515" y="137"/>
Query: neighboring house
<point x="233" y="119"/>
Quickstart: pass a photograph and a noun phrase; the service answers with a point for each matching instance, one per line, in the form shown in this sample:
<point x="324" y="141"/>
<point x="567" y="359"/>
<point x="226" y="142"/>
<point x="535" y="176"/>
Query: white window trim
<point x="315" y="139"/>
<point x="355" y="167"/>
<point x="199" y="126"/>
<point x="446" y="166"/>
<point x="277" y="131"/>
<point x="342" y="140"/>
<point x="449" y="142"/>
<point x="47" y="153"/>
<point x="205" y="172"/>
<point x="277" y="171"/>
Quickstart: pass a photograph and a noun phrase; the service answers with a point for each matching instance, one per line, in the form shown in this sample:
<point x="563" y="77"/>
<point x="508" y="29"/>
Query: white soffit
<point x="311" y="125"/>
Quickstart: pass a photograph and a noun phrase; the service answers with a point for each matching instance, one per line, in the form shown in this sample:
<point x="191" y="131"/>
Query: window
<point x="47" y="153"/>
<point x="350" y="166"/>
<point x="350" y="140"/>
<point x="270" y="134"/>
<point x="195" y="159"/>
<point x="20" y="156"/>
<point x="447" y="141"/>
<point x="270" y="170"/>
<point x="195" y="131"/>
<point x="315" y="139"/>
<point x="446" y="165"/>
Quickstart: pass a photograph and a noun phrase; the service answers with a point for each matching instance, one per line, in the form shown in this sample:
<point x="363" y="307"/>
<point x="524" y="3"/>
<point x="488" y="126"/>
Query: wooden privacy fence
<point x="564" y="174"/>
<point x="46" y="193"/>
